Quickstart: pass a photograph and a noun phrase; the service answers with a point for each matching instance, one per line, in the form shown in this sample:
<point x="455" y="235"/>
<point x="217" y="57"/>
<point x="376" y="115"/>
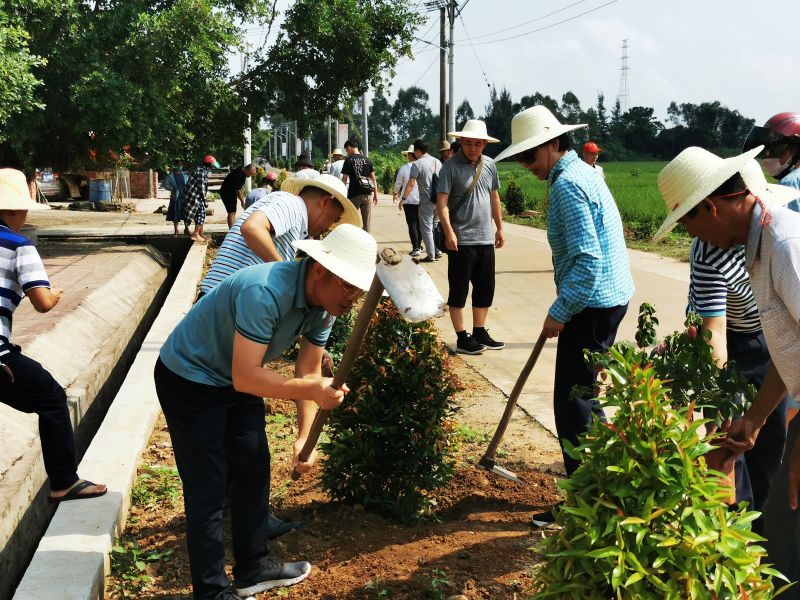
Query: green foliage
<point x="386" y="179"/>
<point x="644" y="517"/>
<point x="340" y="335"/>
<point x="400" y="401"/>
<point x="17" y="80"/>
<point x="439" y="582"/>
<point x="129" y="564"/>
<point x="513" y="198"/>
<point x="376" y="587"/>
<point x="386" y="163"/>
<point x="155" y="485"/>
<point x="283" y="175"/>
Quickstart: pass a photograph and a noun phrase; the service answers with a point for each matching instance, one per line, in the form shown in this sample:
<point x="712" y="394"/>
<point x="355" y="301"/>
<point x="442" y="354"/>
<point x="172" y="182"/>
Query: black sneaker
<point x="276" y="528"/>
<point x="468" y="345"/>
<point x="428" y="259"/>
<point x="415" y="252"/>
<point x="439" y="254"/>
<point x="543" y="519"/>
<point x="275" y="573"/>
<point x="482" y="337"/>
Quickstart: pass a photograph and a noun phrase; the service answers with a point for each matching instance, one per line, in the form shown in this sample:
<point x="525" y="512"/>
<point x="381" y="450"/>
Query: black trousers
<point x="218" y="433"/>
<point x="411" y="212"/>
<point x="35" y="391"/>
<point x="754" y="474"/>
<point x="592" y="329"/>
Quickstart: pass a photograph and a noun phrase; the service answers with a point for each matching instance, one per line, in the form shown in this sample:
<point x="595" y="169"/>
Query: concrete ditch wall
<point x="108" y="293"/>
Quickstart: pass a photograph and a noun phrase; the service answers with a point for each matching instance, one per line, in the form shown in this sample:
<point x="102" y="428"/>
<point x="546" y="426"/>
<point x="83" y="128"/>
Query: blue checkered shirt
<point x="584" y="230"/>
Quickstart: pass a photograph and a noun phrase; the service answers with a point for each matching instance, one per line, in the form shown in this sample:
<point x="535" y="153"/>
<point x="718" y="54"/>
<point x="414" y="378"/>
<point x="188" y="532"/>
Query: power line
<point x="478" y="60"/>
<point x="507" y="29"/>
<point x="428" y="68"/>
<point x="512" y="37"/>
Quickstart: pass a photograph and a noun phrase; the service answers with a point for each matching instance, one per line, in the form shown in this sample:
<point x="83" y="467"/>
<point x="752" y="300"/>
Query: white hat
<point x="332" y="185"/>
<point x="533" y="127"/>
<point x="771" y="193"/>
<point x="15" y="193"/>
<point x="338" y="151"/>
<point x="474" y="129"/>
<point x="692" y="176"/>
<point x="347" y="251"/>
<point x="409" y="151"/>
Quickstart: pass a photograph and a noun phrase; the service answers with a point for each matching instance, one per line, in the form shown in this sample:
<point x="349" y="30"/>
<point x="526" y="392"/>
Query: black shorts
<point x="229" y="199"/>
<point x="471" y="264"/>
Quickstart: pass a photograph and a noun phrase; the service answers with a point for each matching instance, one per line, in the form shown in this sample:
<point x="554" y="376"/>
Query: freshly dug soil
<point x="479" y="546"/>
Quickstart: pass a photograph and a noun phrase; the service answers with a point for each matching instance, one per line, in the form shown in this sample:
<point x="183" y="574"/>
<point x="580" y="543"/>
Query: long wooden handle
<point x="512" y="399"/>
<point x="346" y="364"/>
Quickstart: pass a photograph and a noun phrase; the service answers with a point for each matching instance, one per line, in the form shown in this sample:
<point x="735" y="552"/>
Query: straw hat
<point x="338" y="152"/>
<point x="332" y="185"/>
<point x="409" y="151"/>
<point x="692" y="176"/>
<point x="474" y="129"/>
<point x="15" y="193"/>
<point x="533" y="127"/>
<point x="771" y="193"/>
<point x="445" y="146"/>
<point x="348" y="251"/>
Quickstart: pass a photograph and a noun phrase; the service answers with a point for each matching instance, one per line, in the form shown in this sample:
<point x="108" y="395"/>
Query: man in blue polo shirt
<point x="590" y="263"/>
<point x="210" y="383"/>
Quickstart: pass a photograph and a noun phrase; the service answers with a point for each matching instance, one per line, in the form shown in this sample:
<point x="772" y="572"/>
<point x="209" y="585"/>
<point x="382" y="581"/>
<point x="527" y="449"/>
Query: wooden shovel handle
<point x="346" y="364"/>
<point x="512" y="399"/>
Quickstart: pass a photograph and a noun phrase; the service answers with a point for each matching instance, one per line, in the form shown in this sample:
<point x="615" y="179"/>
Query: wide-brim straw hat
<point x="332" y="185"/>
<point x="15" y="193"/>
<point x="533" y="127"/>
<point x="474" y="129"/>
<point x="338" y="152"/>
<point x="409" y="151"/>
<point x="692" y="176"/>
<point x="445" y="146"/>
<point x="770" y="193"/>
<point x="348" y="251"/>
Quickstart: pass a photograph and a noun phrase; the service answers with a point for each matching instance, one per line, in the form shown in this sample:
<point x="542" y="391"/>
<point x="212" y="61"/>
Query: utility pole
<point x="365" y="125"/>
<point x="248" y="140"/>
<point x="452" y="5"/>
<point x="329" y="137"/>
<point x="442" y="78"/>
<point x="623" y="93"/>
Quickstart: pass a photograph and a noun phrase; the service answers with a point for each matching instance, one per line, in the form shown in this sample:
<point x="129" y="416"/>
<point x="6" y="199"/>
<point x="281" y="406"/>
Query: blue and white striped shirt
<point x="584" y="230"/>
<point x="289" y="219"/>
<point x="21" y="269"/>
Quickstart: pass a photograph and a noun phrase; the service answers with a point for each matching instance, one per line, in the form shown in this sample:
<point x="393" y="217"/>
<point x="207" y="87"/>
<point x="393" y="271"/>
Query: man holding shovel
<point x="590" y="262"/>
<point x="212" y="400"/>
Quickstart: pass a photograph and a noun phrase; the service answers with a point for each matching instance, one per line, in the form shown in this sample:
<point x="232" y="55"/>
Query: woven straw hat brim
<point x="473" y="136"/>
<point x="537" y="139"/>
<point x="348" y="251"/>
<point x="692" y="176"/>
<point x="351" y="214"/>
<point x="769" y="192"/>
<point x="14" y="192"/>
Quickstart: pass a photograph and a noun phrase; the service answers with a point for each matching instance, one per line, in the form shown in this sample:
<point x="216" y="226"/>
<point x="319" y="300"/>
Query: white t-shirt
<point x="401" y="182"/>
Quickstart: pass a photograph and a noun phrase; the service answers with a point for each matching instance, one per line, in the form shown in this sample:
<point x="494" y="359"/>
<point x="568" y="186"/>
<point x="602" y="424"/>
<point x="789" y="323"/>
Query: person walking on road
<point x="213" y="400"/>
<point x="231" y="190"/>
<point x="590" y="154"/>
<point x="195" y="194"/>
<point x="445" y="151"/>
<point x="590" y="263"/>
<point x="337" y="162"/>
<point x="423" y="171"/>
<point x="409" y="205"/>
<point x="175" y="182"/>
<point x="359" y="175"/>
<point x="467" y="202"/>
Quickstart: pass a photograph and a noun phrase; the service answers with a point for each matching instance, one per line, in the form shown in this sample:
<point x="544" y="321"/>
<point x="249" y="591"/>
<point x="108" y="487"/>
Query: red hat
<point x="591" y="147"/>
<point x="210" y="160"/>
<point x="272" y="176"/>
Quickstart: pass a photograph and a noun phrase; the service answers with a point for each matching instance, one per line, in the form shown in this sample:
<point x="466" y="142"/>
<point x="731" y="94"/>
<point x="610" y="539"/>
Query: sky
<point x="734" y="51"/>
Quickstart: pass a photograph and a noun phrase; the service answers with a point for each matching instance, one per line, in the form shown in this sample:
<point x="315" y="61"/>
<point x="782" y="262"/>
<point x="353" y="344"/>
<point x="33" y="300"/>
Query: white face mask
<point x="774" y="166"/>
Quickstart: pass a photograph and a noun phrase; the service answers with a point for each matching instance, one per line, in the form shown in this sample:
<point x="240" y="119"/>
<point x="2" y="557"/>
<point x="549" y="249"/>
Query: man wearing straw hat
<point x="423" y="171"/>
<point x="409" y="204"/>
<point x="445" y="151"/>
<point x="711" y="198"/>
<point x="212" y="400"/>
<point x="335" y="168"/>
<point x="467" y="202"/>
<point x="265" y="231"/>
<point x="590" y="263"/>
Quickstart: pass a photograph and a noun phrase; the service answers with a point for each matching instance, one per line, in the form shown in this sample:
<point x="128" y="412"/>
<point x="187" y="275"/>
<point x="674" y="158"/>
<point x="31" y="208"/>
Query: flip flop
<point x="75" y="493"/>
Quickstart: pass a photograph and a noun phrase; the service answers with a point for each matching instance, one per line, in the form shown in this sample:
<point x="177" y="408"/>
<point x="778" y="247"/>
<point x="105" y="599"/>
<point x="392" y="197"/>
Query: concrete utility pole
<point x="248" y="151"/>
<point x="452" y="5"/>
<point x="365" y="125"/>
<point x="329" y="137"/>
<point x="442" y="78"/>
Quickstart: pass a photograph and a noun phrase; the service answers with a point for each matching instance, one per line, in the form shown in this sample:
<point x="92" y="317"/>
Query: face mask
<point x="774" y="166"/>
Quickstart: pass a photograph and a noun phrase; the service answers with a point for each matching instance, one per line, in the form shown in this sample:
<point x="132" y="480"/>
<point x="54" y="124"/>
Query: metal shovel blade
<point x="492" y="466"/>
<point x="411" y="289"/>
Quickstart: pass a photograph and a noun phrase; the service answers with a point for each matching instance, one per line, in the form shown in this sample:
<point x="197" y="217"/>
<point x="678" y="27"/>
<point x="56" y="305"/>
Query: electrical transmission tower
<point x="623" y="93"/>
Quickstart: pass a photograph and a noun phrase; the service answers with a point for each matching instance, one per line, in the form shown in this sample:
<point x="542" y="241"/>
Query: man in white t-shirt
<point x="591" y="152"/>
<point x="337" y="161"/>
<point x="410" y="204"/>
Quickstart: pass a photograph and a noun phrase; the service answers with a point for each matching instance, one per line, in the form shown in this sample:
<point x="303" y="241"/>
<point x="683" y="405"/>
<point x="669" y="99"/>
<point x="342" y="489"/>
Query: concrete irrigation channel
<point x="123" y="295"/>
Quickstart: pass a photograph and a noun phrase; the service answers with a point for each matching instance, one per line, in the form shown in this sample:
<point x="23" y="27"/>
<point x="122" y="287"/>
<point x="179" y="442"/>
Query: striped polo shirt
<point x="21" y="269"/>
<point x="289" y="219"/>
<point x="720" y="286"/>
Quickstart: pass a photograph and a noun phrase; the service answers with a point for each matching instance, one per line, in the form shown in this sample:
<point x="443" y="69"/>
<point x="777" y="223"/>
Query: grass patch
<point x="156" y="485"/>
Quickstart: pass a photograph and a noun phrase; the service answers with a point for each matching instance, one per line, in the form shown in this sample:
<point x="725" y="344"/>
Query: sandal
<point x="74" y="493"/>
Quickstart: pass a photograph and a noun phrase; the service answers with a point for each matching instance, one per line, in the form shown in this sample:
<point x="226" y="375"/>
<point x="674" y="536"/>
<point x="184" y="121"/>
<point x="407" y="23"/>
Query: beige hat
<point x="533" y="127"/>
<point x="338" y="152"/>
<point x="15" y="193"/>
<point x="348" y="251"/>
<point x="445" y="146"/>
<point x="474" y="129"/>
<point x="692" y="176"/>
<point x="409" y="151"/>
<point x="771" y="193"/>
<point x="332" y="185"/>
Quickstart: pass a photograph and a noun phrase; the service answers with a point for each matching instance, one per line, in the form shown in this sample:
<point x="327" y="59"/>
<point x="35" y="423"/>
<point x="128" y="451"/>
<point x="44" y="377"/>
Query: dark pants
<point x="363" y="202"/>
<point x="475" y="265"/>
<point x="412" y="220"/>
<point x="755" y="473"/>
<point x="35" y="391"/>
<point x="218" y="433"/>
<point x="591" y="329"/>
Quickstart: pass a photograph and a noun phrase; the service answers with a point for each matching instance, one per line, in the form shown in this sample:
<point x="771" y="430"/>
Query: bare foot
<point x="207" y="237"/>
<point x="199" y="239"/>
<point x="89" y="491"/>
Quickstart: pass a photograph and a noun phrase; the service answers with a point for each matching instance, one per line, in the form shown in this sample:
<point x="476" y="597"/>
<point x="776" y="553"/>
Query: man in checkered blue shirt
<point x="592" y="274"/>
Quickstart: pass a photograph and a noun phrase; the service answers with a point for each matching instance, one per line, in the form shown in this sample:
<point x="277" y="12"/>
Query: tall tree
<point x="464" y="113"/>
<point x="571" y="109"/>
<point x="539" y="99"/>
<point x="601" y="132"/>
<point x="499" y="113"/>
<point x="381" y="133"/>
<point x="17" y="81"/>
<point x="412" y="116"/>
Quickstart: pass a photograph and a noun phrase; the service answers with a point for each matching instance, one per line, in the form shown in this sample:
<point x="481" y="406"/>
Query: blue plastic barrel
<point x="99" y="191"/>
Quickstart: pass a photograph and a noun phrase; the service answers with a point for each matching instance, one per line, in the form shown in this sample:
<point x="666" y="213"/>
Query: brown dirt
<point x="480" y="545"/>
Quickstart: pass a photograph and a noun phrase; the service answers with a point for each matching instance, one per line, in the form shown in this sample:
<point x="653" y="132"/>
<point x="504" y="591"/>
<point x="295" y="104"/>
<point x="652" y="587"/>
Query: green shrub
<point x="644" y="517"/>
<point x="283" y="175"/>
<point x="390" y="441"/>
<point x="513" y="198"/>
<point x="381" y="159"/>
<point x="386" y="181"/>
<point x="340" y="334"/>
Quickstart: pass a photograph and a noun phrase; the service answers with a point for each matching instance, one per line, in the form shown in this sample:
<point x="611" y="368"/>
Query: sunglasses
<point x="351" y="292"/>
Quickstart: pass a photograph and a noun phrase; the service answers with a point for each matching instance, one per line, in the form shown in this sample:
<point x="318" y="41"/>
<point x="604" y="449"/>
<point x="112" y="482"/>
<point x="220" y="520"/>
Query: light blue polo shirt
<point x="265" y="303"/>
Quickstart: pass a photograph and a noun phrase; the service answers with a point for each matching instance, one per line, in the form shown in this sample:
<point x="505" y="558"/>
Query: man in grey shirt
<point x="422" y="172"/>
<point x="469" y="237"/>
